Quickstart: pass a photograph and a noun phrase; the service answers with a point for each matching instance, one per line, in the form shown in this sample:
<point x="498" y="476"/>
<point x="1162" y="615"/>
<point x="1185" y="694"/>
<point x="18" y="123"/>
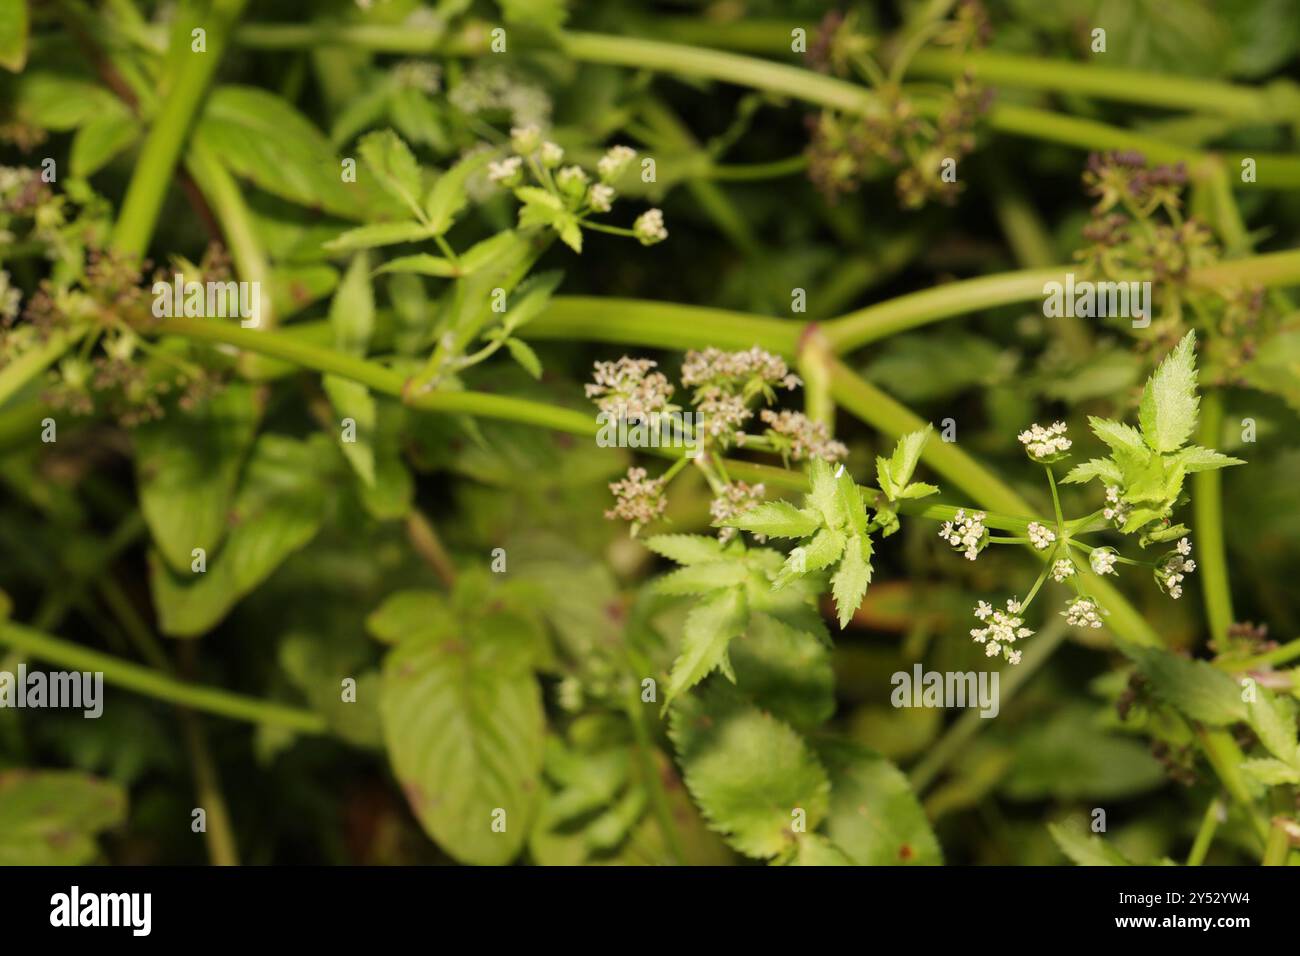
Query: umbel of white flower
<point x="966" y="533"/>
<point x="649" y="227"/>
<point x="1102" y="560"/>
<point x="1045" y="445"/>
<point x="1169" y="573"/>
<point x="1001" y="630"/>
<point x="1040" y="536"/>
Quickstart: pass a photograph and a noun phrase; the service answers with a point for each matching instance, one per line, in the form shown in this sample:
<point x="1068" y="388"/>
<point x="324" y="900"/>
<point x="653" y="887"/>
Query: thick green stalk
<point x="190" y="73"/>
<point x="151" y="683"/>
<point x="1207" y="511"/>
<point x="1105" y="82"/>
<point x="34" y="361"/>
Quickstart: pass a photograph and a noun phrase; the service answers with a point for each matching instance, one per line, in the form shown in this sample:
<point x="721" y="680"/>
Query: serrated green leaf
<point x="422" y="264"/>
<point x="777" y="519"/>
<point x="1195" y="458"/>
<point x="849" y="583"/>
<point x="1273" y="719"/>
<point x="748" y="772"/>
<point x="902" y="464"/>
<point x="1083" y="848"/>
<point x="685" y="548"/>
<point x="99" y="140"/>
<point x="785" y="670"/>
<point x="702" y="578"/>
<point x="919" y="489"/>
<point x="1270" y="772"/>
<point x="851" y="504"/>
<point x="187" y="467"/>
<point x="523" y="353"/>
<point x="815" y="850"/>
<point x="279" y="508"/>
<point x="1169" y="401"/>
<point x="394" y="167"/>
<point x="874" y="816"/>
<point x="378" y="234"/>
<point x="261" y="137"/>
<point x="352" y="400"/>
<point x="14" y="24"/>
<point x="1117" y="435"/>
<point x="1103" y="468"/>
<point x="709" y="629"/>
<point x="352" y="310"/>
<point x="448" y="196"/>
<point x="1199" y="690"/>
<point x="51" y="817"/>
<point x="824" y="497"/>
<point x="464" y="727"/>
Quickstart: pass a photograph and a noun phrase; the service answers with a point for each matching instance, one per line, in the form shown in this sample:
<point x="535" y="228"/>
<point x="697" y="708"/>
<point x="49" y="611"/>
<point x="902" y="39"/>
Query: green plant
<point x="323" y="466"/>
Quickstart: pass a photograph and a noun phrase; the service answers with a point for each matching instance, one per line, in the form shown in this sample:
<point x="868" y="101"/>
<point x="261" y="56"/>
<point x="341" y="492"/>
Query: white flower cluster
<point x="649" y="227"/>
<point x="966" y="532"/>
<point x="637" y="498"/>
<point x="1001" y="630"/>
<point x="507" y="172"/>
<point x="1062" y="569"/>
<point x="1102" y="560"/>
<point x="614" y="162"/>
<point x="490" y="88"/>
<point x="1115" y="510"/>
<point x="1043" y="444"/>
<point x="1082" y="612"/>
<point x="10" y="298"/>
<point x="1040" y="536"/>
<point x="737" y="498"/>
<point x="419" y="75"/>
<point x="715" y="367"/>
<point x="1177" y="564"/>
<point x="807" y="438"/>
<point x="629" y="389"/>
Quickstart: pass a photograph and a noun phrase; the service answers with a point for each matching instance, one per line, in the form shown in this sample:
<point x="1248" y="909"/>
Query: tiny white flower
<point x="1102" y="560"/>
<point x="1062" y="569"/>
<point x="1001" y="630"/>
<point x="1040" y="536"/>
<point x="524" y="140"/>
<point x="507" y="172"/>
<point x="1045" y="444"/>
<point x="966" y="533"/>
<point x="551" y="155"/>
<point x="600" y="197"/>
<point x="1082" y="612"/>
<point x="612" y="164"/>
<point x="649" y="227"/>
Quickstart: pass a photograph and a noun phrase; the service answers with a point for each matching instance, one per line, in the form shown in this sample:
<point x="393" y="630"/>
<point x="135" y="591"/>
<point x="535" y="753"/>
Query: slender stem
<point x="188" y="81"/>
<point x="1207" y="510"/>
<point x="645" y="754"/>
<point x="219" y="832"/>
<point x="428" y="545"/>
<point x="754" y="171"/>
<point x="1205" y="833"/>
<point x="1056" y="504"/>
<point x="1282" y="654"/>
<point x="1278" y="844"/>
<point x="146" y="681"/>
<point x="1225" y="756"/>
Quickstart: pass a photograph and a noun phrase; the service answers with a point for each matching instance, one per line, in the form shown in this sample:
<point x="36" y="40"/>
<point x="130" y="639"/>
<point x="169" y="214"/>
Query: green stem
<point x="753" y="171"/>
<point x="1225" y="756"/>
<point x="645" y="754"/>
<point x="1207" y="510"/>
<point x="34" y="361"/>
<point x="188" y="81"/>
<point x="1205" y="833"/>
<point x="1112" y="83"/>
<point x="1282" y="654"/>
<point x="151" y="683"/>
